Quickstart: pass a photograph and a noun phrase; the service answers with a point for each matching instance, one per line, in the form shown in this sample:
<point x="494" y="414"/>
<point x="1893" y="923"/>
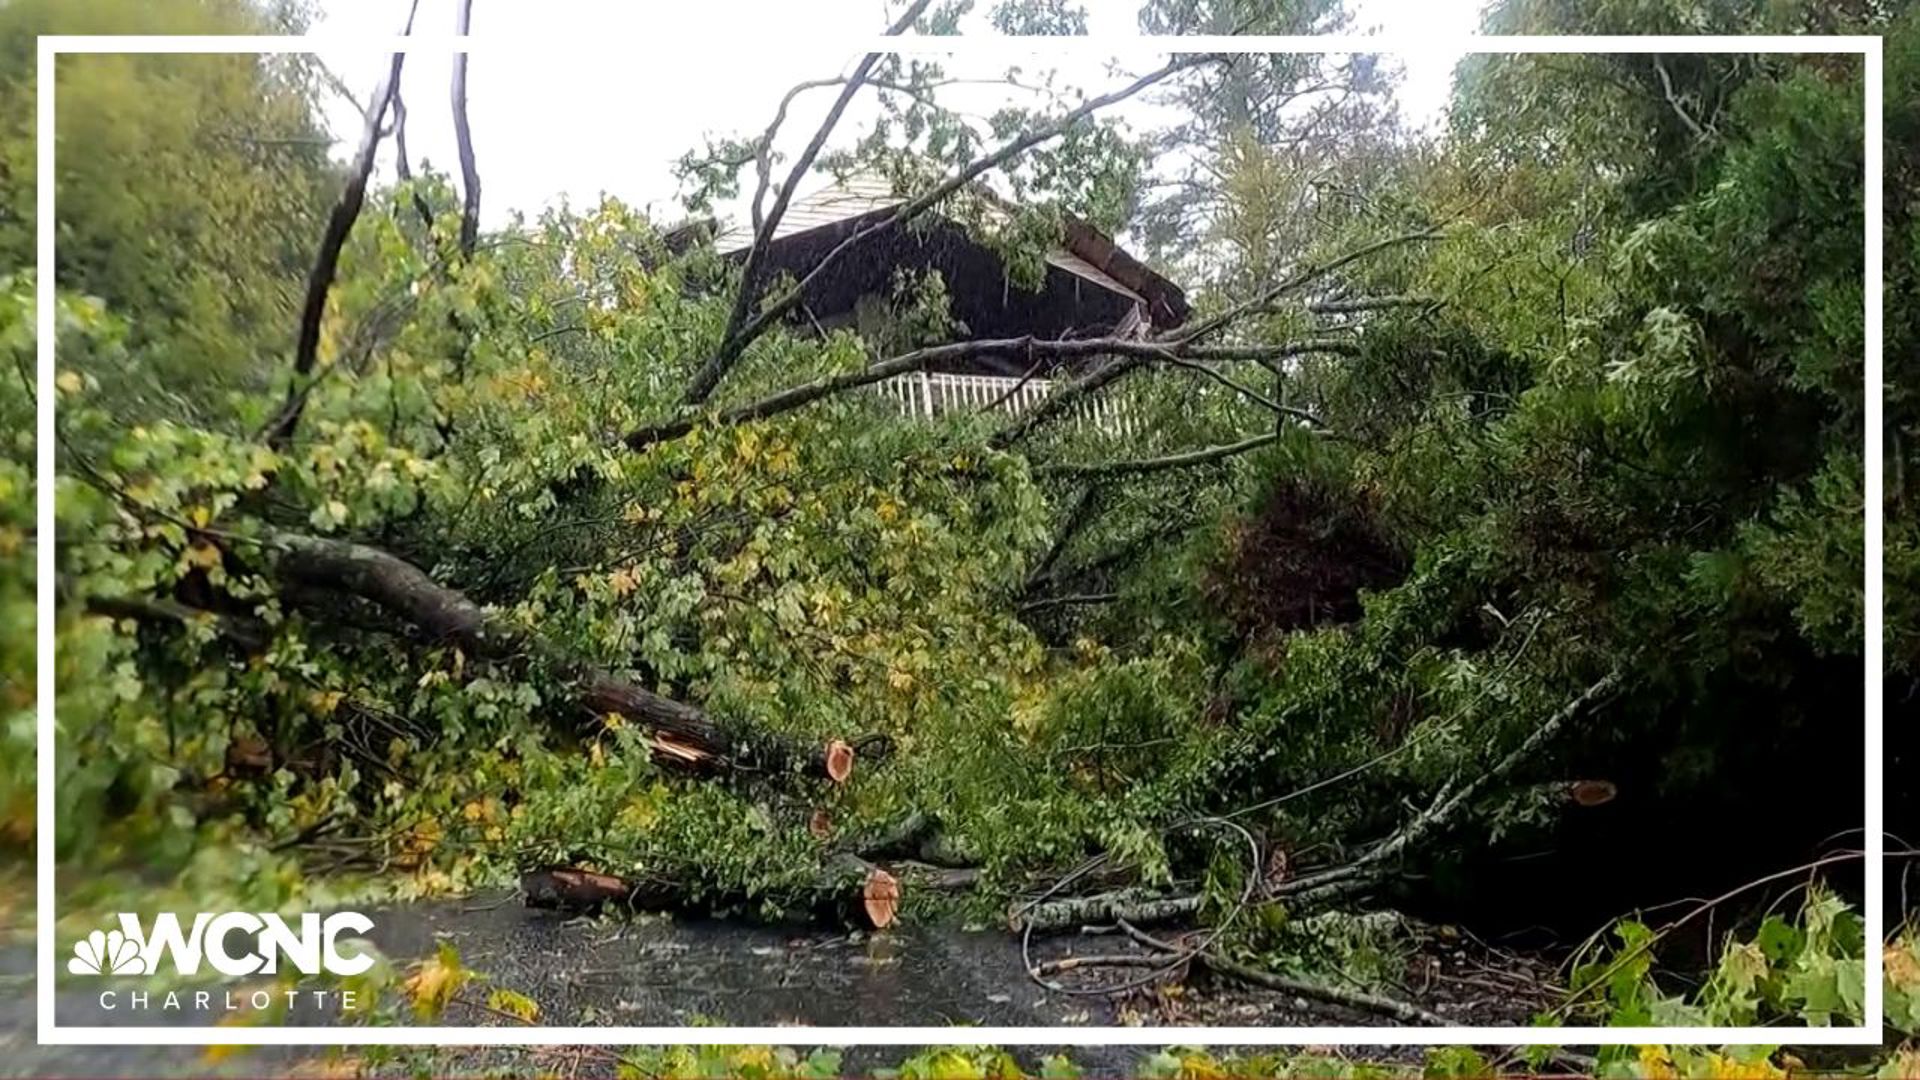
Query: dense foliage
<point x="1593" y="419"/>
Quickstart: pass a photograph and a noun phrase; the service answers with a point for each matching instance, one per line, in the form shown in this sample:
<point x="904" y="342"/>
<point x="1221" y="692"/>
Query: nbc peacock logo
<point x="310" y="946"/>
<point x="106" y="952"/>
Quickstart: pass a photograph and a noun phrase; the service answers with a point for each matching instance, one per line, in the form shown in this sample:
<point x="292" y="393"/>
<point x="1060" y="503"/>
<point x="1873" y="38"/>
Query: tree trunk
<point x="847" y="890"/>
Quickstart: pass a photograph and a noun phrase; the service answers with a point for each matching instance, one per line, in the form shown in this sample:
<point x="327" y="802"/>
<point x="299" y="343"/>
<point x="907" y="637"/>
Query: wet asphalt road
<point x="651" y="972"/>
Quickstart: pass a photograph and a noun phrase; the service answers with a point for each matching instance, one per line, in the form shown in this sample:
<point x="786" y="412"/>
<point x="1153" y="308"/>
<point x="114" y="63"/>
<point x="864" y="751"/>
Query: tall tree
<point x="191" y="188"/>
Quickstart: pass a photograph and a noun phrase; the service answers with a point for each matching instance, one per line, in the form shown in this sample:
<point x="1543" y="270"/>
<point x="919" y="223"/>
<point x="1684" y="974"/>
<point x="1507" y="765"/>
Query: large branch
<point x="683" y="735"/>
<point x="248" y="633"/>
<point x="401" y="167"/>
<point x="313" y="310"/>
<point x="763" y="150"/>
<point x="1130" y="351"/>
<point x="1142" y="907"/>
<point x="736" y="341"/>
<point x="1361" y="874"/>
<point x="1403" y="1011"/>
<point x="708" y="377"/>
<point x="1358" y="304"/>
<point x="1139" y="466"/>
<point x="1270" y="352"/>
<point x="463" y="136"/>
<point x="1300" y="280"/>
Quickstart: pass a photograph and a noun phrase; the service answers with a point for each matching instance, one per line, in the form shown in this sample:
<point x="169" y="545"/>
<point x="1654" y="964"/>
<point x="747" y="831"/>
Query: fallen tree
<point x="847" y="889"/>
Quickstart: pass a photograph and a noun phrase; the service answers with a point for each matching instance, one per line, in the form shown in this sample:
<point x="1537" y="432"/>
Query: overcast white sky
<point x="549" y="123"/>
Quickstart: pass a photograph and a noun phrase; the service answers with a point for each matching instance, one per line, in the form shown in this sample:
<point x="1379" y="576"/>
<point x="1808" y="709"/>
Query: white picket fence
<point x="924" y="394"/>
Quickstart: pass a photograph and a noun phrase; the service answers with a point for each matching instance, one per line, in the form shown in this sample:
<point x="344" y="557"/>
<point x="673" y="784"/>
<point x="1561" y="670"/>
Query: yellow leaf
<point x="1655" y="1064"/>
<point x="69" y="382"/>
<point x="434" y="981"/>
<point x="503" y="1000"/>
<point x="1902" y="965"/>
<point x="205" y="556"/>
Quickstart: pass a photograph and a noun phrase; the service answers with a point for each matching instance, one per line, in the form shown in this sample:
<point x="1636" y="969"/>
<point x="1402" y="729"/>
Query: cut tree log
<point x="839" y="761"/>
<point x="850" y="881"/>
<point x="1140" y="907"/>
<point x="682" y="736"/>
<point x="570" y="889"/>
<point x="847" y="890"/>
<point x="1592" y="792"/>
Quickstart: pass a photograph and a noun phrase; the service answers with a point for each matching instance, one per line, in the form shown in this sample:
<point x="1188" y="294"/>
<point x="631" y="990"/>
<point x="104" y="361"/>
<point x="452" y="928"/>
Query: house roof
<point x="1085" y="252"/>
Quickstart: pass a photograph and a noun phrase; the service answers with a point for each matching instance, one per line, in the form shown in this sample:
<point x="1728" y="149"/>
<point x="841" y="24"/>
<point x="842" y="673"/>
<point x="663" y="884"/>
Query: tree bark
<point x="1130" y="354"/>
<point x="463" y="137"/>
<point x="1137" y="906"/>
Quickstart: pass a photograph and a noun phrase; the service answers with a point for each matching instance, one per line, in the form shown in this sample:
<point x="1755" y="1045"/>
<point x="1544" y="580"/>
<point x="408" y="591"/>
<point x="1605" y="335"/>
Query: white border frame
<point x="1867" y="47"/>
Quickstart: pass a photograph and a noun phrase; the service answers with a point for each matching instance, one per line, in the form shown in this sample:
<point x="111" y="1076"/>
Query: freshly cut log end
<point x="1592" y="792"/>
<point x="881" y="898"/>
<point x="839" y="761"/>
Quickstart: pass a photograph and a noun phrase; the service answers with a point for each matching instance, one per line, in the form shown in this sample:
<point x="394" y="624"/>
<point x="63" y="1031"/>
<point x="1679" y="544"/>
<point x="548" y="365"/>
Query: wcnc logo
<point x="311" y="950"/>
